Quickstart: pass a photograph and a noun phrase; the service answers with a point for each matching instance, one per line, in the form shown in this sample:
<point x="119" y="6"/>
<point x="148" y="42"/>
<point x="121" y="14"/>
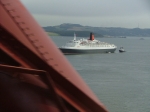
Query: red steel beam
<point x="38" y="51"/>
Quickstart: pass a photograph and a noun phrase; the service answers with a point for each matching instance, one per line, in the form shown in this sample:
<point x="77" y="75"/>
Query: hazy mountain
<point x="68" y="29"/>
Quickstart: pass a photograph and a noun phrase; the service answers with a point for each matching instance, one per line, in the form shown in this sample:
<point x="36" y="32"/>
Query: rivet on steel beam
<point x="27" y="35"/>
<point x="23" y="22"/>
<point x="30" y="35"/>
<point x="10" y="11"/>
<point x="46" y="53"/>
<point x="22" y="29"/>
<point x="28" y="28"/>
<point x="37" y="47"/>
<point x="5" y="4"/>
<point x="41" y="53"/>
<point x="41" y="46"/>
<point x="8" y="4"/>
<point x="61" y="71"/>
<point x="18" y="16"/>
<point x="55" y="64"/>
<point x="51" y="59"/>
<point x="13" y="10"/>
<point x="34" y="41"/>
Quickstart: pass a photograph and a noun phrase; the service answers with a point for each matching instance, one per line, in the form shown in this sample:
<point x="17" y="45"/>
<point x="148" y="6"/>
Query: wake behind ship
<point x="84" y="46"/>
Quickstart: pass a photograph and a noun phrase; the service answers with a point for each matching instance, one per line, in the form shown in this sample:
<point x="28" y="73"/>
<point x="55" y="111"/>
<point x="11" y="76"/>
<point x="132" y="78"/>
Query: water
<point x="120" y="80"/>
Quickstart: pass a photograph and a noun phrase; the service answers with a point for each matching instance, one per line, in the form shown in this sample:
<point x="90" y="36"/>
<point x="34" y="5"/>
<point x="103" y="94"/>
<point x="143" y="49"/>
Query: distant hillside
<point x="68" y="29"/>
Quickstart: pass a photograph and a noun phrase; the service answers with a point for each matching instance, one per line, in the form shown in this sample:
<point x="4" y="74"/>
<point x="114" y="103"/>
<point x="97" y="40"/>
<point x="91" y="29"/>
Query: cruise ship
<point x="84" y="46"/>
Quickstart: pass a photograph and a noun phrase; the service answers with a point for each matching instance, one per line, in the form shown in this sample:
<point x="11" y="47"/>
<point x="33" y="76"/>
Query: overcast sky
<point x="100" y="13"/>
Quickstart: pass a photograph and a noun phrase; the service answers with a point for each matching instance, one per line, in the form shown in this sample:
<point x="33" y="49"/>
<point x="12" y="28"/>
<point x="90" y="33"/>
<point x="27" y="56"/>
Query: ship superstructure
<point x="90" y="45"/>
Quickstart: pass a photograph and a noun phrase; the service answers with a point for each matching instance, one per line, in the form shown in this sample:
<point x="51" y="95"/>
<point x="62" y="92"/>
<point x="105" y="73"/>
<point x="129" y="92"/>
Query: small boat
<point x="84" y="46"/>
<point x="121" y="49"/>
<point x="141" y="38"/>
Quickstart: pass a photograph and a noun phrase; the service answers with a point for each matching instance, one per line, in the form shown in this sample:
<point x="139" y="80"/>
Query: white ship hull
<point x="86" y="51"/>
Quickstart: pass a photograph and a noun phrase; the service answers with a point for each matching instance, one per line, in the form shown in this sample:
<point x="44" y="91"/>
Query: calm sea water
<point x="120" y="80"/>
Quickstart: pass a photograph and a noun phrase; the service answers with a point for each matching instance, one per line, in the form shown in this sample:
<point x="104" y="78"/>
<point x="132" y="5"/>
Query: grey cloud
<point x="87" y="7"/>
<point x="115" y="13"/>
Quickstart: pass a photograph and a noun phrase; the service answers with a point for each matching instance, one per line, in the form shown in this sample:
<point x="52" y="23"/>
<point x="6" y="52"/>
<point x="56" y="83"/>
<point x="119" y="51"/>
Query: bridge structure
<point x="34" y="75"/>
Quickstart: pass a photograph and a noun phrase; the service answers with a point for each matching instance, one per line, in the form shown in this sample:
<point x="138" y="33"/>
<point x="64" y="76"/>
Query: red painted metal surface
<point x="43" y="75"/>
<point x="26" y="43"/>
